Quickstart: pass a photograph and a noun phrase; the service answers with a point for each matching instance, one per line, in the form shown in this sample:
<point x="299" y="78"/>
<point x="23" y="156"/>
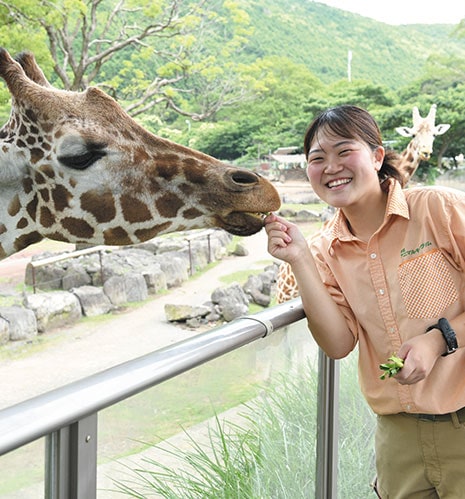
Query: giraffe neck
<point x="409" y="161"/>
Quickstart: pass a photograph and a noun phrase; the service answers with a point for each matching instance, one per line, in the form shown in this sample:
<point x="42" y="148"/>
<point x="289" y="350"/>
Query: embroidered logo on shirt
<point x="404" y="252"/>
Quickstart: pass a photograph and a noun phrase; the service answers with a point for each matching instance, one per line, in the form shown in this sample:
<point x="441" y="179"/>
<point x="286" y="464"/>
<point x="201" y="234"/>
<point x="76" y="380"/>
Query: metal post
<point x="191" y="263"/>
<point x="327" y="428"/>
<point x="71" y="461"/>
<point x="210" y="259"/>
<point x="102" y="275"/>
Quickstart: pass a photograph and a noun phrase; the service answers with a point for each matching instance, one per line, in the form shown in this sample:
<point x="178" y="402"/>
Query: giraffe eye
<point x="82" y="161"/>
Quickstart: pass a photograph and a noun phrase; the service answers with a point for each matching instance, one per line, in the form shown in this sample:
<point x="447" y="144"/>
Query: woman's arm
<point x="325" y="320"/>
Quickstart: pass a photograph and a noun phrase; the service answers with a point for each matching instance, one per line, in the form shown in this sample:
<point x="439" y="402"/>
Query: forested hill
<point x="320" y="37"/>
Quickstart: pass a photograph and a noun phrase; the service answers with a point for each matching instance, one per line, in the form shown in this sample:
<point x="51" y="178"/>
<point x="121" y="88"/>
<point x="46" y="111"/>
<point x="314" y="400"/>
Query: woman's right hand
<point x="285" y="240"/>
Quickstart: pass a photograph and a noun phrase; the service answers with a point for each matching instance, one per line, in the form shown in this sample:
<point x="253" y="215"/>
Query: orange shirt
<point x="392" y="288"/>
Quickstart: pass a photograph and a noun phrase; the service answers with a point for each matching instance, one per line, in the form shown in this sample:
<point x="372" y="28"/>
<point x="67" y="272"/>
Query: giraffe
<point x="420" y="147"/>
<point x="75" y="167"/>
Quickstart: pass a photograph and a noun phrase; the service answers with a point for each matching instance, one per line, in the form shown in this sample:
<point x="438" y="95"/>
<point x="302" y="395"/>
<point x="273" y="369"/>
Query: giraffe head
<point x="423" y="133"/>
<point x="75" y="167"/>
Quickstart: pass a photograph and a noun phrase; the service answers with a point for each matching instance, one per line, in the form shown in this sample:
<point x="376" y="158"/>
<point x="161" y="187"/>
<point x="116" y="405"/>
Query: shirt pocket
<point x="426" y="285"/>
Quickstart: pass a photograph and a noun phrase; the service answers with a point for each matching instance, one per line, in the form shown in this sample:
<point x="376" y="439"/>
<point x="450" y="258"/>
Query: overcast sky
<point x="405" y="11"/>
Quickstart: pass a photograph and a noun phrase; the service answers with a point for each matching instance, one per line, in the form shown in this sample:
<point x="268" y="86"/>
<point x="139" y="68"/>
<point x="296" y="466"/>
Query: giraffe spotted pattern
<point x="75" y="167"/>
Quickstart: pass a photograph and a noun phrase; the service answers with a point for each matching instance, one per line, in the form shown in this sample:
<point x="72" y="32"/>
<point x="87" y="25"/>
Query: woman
<point x="388" y="267"/>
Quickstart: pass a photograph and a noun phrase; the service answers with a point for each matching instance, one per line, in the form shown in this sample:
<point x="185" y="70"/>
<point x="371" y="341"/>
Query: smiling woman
<point x="361" y="284"/>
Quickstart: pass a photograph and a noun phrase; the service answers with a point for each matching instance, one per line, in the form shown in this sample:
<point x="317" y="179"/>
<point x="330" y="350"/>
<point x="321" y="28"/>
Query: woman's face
<point x="343" y="172"/>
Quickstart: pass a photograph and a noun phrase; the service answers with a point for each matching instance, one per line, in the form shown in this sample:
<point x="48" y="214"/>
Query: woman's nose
<point x="332" y="166"/>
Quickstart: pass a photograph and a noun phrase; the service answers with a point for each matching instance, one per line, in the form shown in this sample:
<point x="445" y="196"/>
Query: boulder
<point x="22" y="323"/>
<point x="240" y="250"/>
<point x="155" y="280"/>
<point x="75" y="276"/>
<point x="136" y="287"/>
<point x="47" y="278"/>
<point x="4" y="331"/>
<point x="232" y="301"/>
<point x="115" y="289"/>
<point x="93" y="300"/>
<point x="254" y="288"/>
<point x="175" y="268"/>
<point x="176" y="313"/>
<point x="54" y="309"/>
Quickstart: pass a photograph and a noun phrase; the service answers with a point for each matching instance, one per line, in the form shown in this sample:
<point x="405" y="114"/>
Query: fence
<point x="68" y="416"/>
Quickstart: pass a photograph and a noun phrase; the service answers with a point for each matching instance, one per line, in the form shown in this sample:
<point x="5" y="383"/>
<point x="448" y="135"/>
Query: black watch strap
<point x="448" y="334"/>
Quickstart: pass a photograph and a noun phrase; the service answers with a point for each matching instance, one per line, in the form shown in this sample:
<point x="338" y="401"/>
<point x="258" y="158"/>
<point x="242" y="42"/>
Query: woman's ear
<point x="379" y="154"/>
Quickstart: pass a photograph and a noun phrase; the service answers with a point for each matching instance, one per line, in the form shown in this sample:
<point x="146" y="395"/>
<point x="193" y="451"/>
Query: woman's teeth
<point x="341" y="181"/>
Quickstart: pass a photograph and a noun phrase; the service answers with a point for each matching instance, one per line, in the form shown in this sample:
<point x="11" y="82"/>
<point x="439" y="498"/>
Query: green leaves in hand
<point x="392" y="367"/>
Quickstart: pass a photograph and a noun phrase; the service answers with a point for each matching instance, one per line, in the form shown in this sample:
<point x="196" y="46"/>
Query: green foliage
<point x="272" y="453"/>
<point x="254" y="73"/>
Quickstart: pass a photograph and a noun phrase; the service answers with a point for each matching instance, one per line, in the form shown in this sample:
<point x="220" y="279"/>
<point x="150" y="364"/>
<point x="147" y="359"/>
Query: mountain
<point x="320" y="37"/>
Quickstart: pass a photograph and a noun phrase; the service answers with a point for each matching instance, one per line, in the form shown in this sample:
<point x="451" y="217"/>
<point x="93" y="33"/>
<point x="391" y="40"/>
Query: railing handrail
<point x="37" y="417"/>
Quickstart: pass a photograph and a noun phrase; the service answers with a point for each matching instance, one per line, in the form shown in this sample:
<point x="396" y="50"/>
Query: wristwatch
<point x="448" y="334"/>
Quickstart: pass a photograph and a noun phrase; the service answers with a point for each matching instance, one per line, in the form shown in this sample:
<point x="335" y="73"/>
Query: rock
<point x="287" y="213"/>
<point x="54" y="309"/>
<point x="136" y="288"/>
<point x="176" y="313"/>
<point x="74" y="277"/>
<point x="175" y="268"/>
<point x="254" y="288"/>
<point x="93" y="300"/>
<point x="4" y="331"/>
<point x="232" y="301"/>
<point x="240" y="250"/>
<point x="307" y="215"/>
<point x="48" y="277"/>
<point x="155" y="280"/>
<point x="115" y="289"/>
<point x="231" y="311"/>
<point x="22" y="323"/>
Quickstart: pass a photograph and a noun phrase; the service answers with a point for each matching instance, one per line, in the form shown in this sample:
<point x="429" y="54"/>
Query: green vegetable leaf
<point x="392" y="367"/>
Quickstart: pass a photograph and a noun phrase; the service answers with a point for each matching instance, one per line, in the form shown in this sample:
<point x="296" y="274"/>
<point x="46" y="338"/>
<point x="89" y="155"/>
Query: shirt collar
<point x="337" y="229"/>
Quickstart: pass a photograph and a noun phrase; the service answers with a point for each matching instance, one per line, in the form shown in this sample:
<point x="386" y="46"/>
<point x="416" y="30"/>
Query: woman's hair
<point x="353" y="122"/>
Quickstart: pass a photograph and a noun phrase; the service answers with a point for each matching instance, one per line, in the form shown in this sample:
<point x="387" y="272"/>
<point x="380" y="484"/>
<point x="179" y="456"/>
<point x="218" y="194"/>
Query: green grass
<point x="272" y="453"/>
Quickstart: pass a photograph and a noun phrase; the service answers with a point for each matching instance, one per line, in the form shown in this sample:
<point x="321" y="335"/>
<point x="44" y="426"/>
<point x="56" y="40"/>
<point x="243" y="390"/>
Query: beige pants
<point x="418" y="458"/>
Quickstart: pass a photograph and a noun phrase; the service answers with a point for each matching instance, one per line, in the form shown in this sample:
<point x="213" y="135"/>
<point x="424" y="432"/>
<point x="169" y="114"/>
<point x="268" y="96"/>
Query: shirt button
<point x="373" y="256"/>
<point x="381" y="291"/>
<point x="407" y="407"/>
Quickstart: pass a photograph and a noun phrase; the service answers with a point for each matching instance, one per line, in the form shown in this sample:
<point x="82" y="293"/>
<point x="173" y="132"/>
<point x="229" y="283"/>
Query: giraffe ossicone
<point x="75" y="167"/>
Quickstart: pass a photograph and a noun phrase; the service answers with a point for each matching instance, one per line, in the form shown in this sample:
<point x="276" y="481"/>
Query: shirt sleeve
<point x="336" y="293"/>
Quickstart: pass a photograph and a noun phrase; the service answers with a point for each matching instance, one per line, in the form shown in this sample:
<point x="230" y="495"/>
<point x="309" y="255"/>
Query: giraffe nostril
<point x="244" y="177"/>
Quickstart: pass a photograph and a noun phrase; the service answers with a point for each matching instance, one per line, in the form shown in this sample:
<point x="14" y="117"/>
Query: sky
<point x="405" y="11"/>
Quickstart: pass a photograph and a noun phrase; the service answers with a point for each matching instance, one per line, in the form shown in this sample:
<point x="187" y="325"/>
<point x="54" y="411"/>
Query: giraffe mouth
<point x="243" y="223"/>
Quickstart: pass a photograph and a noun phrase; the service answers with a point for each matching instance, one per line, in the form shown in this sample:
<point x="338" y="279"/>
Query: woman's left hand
<point x="420" y="353"/>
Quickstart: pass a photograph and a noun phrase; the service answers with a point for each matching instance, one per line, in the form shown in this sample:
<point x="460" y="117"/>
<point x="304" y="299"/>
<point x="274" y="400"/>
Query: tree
<point x="178" y="53"/>
<point x="273" y="118"/>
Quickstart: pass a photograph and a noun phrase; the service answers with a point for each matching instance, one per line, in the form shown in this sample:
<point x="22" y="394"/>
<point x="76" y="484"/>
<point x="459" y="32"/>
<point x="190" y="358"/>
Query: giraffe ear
<point x="405" y="131"/>
<point x="440" y="129"/>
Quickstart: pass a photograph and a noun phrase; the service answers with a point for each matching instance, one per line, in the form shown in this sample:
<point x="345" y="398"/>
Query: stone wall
<point x="98" y="283"/>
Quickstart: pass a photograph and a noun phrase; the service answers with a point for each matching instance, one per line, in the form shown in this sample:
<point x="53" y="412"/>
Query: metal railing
<point x="67" y="416"/>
